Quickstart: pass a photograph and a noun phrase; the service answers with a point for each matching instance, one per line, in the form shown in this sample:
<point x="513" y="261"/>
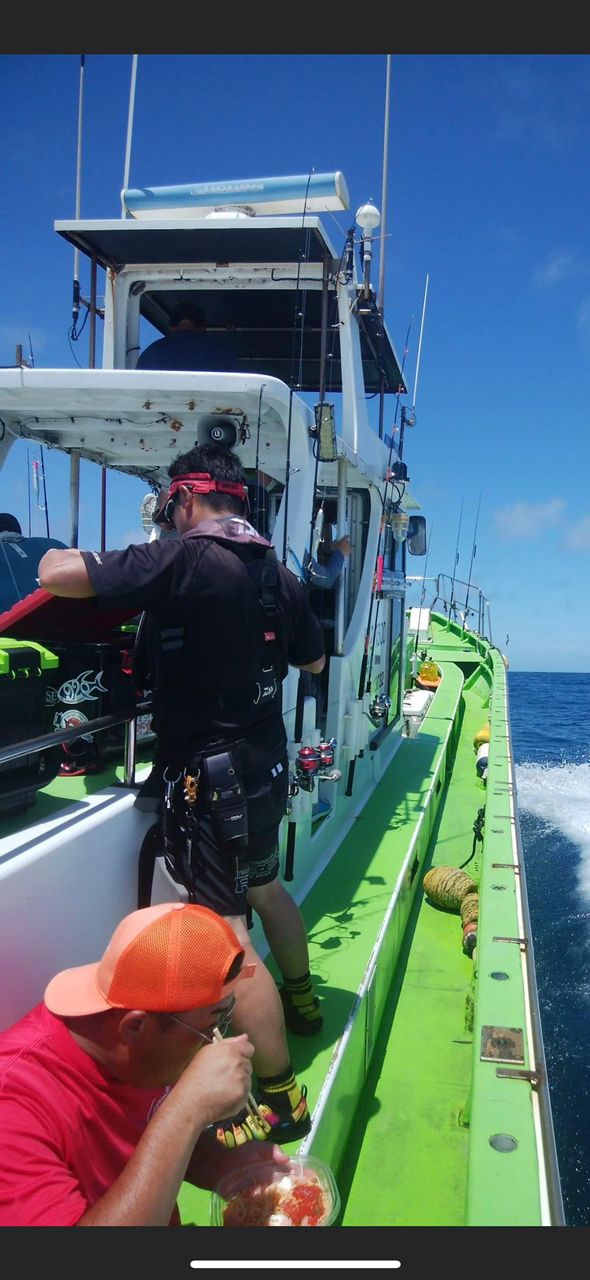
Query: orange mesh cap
<point x="168" y="958"/>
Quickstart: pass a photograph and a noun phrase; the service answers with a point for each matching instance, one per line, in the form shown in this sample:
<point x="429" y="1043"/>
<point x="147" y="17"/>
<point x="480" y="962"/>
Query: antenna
<point x="368" y="219"/>
<point x="420" y="343"/>
<point x="384" y="189"/>
<point x="129" y="131"/>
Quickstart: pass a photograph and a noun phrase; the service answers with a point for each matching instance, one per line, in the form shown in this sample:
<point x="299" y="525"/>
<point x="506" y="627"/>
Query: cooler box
<point x="94" y="647"/>
<point x="25" y="671"/>
<point x="94" y="680"/>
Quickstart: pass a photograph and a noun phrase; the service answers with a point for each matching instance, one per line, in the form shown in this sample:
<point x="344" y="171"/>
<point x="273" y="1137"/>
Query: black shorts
<point x="218" y="879"/>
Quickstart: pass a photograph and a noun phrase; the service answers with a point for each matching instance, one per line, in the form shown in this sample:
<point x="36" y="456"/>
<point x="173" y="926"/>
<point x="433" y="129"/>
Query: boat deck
<point x="420" y="1125"/>
<point x="404" y="1113"/>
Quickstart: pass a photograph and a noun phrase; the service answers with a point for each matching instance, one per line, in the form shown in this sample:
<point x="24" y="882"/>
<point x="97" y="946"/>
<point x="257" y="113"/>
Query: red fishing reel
<point x="316" y="762"/>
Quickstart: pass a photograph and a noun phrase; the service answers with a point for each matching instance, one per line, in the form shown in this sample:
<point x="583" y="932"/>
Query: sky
<point x="486" y="242"/>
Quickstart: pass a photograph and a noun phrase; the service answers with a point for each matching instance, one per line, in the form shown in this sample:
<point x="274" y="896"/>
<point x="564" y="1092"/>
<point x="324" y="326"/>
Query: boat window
<point x="323" y="600"/>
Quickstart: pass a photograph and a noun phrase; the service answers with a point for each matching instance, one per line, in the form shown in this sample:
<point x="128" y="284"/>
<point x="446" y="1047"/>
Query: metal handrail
<point x="42" y="743"/>
<point x="461" y="610"/>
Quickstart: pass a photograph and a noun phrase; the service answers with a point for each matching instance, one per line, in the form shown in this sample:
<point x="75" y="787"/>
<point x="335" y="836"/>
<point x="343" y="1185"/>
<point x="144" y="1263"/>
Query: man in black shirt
<point x="187" y="345"/>
<point x="225" y="620"/>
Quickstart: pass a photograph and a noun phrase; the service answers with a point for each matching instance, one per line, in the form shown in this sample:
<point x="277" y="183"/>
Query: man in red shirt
<point x="109" y="1086"/>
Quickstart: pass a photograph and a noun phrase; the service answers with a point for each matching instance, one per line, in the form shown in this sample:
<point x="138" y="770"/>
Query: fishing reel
<point x="314" y="762"/>
<point x="379" y="708"/>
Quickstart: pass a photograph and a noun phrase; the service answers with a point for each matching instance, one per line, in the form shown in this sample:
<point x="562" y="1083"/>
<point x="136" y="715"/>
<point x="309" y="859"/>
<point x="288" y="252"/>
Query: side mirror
<point x="416" y="539"/>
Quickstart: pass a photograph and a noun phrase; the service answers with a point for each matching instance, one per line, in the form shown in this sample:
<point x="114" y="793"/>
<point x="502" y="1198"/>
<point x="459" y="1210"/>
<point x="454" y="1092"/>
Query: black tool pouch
<point x="226" y="801"/>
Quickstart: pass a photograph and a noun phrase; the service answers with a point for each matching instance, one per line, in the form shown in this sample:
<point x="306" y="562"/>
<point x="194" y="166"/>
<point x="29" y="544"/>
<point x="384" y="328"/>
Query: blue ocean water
<point x="550" y="724"/>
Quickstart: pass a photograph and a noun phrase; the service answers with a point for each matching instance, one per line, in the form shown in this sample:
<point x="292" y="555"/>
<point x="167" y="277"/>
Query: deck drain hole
<point x="499" y="887"/>
<point x="503" y="1142"/>
<point x="499" y="975"/>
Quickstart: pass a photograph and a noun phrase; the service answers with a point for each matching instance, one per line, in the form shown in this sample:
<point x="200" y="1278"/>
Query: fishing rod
<point x="29" y="487"/>
<point x="473" y="553"/>
<point x="299" y="315"/>
<point x="44" y="491"/>
<point x="300" y="701"/>
<point x="397" y="405"/>
<point x="407" y="419"/>
<point x="74" y="335"/>
<point x="452" y="600"/>
<point x="422" y="595"/>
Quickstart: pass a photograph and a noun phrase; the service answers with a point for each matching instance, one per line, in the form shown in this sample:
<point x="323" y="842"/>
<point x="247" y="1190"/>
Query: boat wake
<point x="559" y="795"/>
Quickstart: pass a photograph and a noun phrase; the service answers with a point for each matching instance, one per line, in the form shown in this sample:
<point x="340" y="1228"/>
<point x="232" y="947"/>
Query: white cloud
<point x="528" y="519"/>
<point x="578" y="537"/>
<point x="560" y="265"/>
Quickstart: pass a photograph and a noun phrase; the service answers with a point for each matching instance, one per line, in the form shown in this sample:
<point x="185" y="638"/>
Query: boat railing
<point x="450" y="601"/>
<point x="31" y="746"/>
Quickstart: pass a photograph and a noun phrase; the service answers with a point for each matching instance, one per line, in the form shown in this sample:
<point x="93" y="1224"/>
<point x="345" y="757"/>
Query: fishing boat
<point x="427" y="1083"/>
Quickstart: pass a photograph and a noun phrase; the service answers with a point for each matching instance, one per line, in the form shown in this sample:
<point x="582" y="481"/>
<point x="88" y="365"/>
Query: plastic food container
<point x="300" y="1194"/>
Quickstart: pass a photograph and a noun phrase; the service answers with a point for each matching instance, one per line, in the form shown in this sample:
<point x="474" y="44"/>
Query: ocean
<point x="550" y="724"/>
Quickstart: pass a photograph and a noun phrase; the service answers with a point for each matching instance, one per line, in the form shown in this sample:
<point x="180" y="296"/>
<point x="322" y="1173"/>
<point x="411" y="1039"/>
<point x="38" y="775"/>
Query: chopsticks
<point x="253" y="1107"/>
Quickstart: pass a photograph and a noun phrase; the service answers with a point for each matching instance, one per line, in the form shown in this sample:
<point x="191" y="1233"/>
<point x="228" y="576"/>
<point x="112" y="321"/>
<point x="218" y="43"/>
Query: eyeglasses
<point x="221" y="1025"/>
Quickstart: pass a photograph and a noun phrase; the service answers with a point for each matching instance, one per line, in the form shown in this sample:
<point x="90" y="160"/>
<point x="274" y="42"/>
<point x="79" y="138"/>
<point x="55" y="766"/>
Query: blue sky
<point x="487" y="196"/>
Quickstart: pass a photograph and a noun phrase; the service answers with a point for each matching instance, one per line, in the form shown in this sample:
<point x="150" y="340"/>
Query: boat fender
<point x="469" y="911"/>
<point x="481" y="760"/>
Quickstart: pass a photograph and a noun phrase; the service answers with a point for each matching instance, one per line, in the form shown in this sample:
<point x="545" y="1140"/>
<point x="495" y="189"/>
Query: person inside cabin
<point x="111" y="1086"/>
<point x="19" y="561"/>
<point x="188" y="345"/>
<point x="324" y="571"/>
<point x="226" y="619"/>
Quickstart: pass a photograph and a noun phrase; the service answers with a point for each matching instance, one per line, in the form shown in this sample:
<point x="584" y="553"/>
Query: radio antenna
<point x="129" y="132"/>
<point x="420" y="343"/>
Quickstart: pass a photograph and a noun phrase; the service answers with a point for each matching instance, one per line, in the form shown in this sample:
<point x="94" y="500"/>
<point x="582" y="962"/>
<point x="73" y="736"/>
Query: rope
<point x="447" y="886"/>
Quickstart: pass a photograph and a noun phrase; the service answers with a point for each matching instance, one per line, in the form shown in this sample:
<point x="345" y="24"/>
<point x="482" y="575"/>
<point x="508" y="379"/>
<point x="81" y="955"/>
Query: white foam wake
<point x="560" y="796"/>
